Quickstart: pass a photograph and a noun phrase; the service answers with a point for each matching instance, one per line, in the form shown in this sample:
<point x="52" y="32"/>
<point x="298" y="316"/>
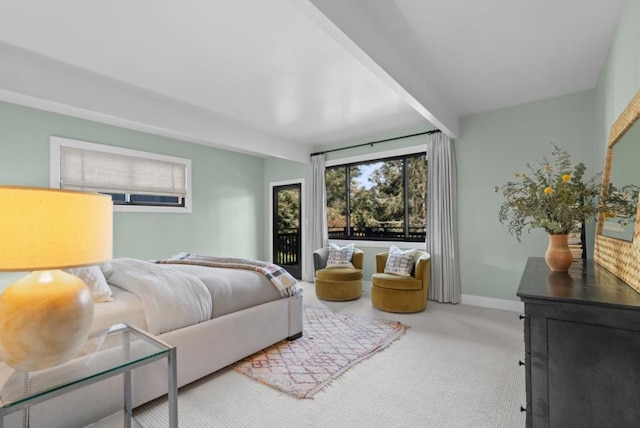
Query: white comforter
<point x="170" y="299"/>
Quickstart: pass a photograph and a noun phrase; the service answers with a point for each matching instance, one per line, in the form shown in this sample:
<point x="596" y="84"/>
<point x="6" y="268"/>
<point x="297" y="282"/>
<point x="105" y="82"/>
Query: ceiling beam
<point x="348" y="23"/>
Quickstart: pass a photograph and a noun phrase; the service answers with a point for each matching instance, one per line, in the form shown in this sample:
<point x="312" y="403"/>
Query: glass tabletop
<point x="105" y="352"/>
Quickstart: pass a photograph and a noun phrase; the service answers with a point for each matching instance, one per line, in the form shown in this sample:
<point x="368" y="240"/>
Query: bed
<point x="238" y="313"/>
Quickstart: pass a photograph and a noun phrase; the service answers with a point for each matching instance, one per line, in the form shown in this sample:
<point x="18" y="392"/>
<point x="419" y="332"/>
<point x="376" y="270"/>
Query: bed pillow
<point x="340" y="257"/>
<point x="107" y="270"/>
<point x="95" y="280"/>
<point x="399" y="262"/>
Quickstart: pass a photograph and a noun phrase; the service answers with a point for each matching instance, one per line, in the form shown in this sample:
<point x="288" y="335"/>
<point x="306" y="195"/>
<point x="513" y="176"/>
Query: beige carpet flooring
<point x="457" y="366"/>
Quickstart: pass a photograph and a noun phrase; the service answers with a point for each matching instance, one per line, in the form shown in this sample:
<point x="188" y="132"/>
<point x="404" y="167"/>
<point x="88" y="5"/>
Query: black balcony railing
<point x="381" y="233"/>
<point x="288" y="247"/>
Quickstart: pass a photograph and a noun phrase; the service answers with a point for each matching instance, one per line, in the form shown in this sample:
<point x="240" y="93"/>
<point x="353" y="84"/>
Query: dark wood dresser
<point x="582" y="347"/>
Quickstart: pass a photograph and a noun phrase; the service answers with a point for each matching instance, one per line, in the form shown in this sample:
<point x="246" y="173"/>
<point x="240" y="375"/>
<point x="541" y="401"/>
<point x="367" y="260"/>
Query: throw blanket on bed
<point x="280" y="278"/>
<point x="170" y="299"/>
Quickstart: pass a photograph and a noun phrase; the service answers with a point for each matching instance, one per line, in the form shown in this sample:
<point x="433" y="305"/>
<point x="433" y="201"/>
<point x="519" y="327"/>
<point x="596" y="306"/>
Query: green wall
<point x="619" y="78"/>
<point x="228" y="188"/>
<point x="492" y="147"/>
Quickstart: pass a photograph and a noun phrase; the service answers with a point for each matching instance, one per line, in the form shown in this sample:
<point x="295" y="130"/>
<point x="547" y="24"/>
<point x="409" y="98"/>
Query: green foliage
<point x="417" y="192"/>
<point x="553" y="196"/>
<point x="380" y="202"/>
<point x="387" y="192"/>
<point x="335" y="184"/>
<point x="288" y="209"/>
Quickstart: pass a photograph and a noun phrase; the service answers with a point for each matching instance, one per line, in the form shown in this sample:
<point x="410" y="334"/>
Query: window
<point x="381" y="199"/>
<point x="137" y="181"/>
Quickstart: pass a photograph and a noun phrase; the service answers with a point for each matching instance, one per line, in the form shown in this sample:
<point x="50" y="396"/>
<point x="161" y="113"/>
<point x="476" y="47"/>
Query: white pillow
<point x="340" y="257"/>
<point x="399" y="262"/>
<point x="107" y="270"/>
<point x="95" y="280"/>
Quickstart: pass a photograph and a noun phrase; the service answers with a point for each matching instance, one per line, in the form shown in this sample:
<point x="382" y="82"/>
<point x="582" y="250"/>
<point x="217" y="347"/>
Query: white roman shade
<point x="100" y="171"/>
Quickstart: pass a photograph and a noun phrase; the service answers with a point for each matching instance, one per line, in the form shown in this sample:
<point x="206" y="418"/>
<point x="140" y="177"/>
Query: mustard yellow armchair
<point x="403" y="294"/>
<point x="338" y="283"/>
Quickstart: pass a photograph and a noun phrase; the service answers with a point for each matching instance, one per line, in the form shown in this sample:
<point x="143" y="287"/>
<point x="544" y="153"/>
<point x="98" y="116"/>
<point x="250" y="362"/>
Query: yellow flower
<point x="553" y="196"/>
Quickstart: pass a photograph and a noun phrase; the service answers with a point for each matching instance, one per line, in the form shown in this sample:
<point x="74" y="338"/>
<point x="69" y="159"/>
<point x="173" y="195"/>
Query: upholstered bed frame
<point x="202" y="349"/>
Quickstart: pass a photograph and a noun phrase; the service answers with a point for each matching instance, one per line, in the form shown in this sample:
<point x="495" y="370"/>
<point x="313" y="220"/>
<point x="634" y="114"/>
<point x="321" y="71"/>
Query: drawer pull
<point x="521" y="317"/>
<point x="520" y="363"/>
<point x="523" y="409"/>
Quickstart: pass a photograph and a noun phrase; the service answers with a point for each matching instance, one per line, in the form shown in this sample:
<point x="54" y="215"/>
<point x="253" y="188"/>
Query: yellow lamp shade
<point x="49" y="228"/>
<point x="45" y="317"/>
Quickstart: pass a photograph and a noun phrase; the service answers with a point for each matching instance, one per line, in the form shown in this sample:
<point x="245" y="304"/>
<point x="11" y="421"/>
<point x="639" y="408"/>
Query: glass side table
<point x="110" y="352"/>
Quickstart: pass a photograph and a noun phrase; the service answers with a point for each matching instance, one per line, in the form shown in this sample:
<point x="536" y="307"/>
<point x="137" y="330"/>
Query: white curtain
<point x="317" y="228"/>
<point x="442" y="217"/>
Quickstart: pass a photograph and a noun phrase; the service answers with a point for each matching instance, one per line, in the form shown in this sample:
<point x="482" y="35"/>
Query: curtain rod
<point x="371" y="143"/>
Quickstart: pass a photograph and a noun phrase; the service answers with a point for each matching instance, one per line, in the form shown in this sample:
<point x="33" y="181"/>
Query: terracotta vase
<point x="558" y="256"/>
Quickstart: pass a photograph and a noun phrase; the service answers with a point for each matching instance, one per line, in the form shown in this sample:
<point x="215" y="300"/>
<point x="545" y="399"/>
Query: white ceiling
<point x="281" y="77"/>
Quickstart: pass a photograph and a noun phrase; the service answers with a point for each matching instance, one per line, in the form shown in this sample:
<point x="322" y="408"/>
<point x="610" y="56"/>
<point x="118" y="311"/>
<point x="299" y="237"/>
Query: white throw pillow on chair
<point x="399" y="262"/>
<point x="340" y="257"/>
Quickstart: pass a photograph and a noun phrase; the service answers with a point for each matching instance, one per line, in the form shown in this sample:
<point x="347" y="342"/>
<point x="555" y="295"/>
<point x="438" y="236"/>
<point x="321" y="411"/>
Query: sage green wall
<point x="492" y="147"/>
<point x="228" y="188"/>
<point x="491" y="260"/>
<point x="619" y="78"/>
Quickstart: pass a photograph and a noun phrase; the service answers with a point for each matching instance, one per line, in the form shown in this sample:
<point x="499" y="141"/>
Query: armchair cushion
<point x="395" y="282"/>
<point x="339" y="274"/>
<point x="399" y="262"/>
<point x="340" y="257"/>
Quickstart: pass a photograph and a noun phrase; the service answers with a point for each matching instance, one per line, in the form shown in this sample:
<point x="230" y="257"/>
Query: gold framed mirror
<point x="619" y="250"/>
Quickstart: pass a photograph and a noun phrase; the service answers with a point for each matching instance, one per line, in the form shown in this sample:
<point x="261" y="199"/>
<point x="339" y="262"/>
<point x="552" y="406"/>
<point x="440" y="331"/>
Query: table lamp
<point x="45" y="317"/>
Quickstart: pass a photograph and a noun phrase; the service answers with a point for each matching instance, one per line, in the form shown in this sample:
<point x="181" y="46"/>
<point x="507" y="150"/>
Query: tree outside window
<point x="383" y="199"/>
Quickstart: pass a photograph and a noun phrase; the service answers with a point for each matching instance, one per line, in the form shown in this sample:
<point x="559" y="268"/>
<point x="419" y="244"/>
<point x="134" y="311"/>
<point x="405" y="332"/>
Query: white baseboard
<point x="481" y="301"/>
<point x="490" y="302"/>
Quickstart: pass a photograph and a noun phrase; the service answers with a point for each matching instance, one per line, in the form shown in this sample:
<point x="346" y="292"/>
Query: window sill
<point x="380" y="244"/>
<point x="151" y="209"/>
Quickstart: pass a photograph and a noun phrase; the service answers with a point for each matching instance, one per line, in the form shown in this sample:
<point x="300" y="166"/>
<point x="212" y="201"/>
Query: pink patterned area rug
<point x="330" y="345"/>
